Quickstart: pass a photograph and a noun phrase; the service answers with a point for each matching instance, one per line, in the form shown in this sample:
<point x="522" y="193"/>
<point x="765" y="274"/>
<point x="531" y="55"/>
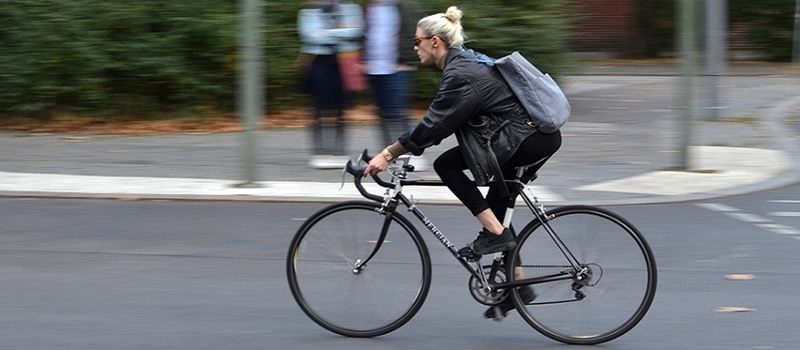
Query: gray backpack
<point x="538" y="92"/>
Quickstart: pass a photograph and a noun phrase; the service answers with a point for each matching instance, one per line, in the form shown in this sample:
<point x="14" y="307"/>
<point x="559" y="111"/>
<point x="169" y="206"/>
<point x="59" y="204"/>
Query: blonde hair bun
<point x="447" y="26"/>
<point x="453" y="14"/>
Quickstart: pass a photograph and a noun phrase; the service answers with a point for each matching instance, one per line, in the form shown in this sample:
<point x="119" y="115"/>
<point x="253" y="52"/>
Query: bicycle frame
<point x="516" y="188"/>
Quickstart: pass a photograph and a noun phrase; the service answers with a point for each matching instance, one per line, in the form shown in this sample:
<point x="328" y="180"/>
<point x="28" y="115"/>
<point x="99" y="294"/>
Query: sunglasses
<point x="419" y="39"/>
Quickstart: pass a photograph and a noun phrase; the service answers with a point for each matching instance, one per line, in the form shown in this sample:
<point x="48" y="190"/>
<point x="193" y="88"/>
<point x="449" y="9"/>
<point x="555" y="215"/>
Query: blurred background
<point x="148" y="268"/>
<point x="148" y="59"/>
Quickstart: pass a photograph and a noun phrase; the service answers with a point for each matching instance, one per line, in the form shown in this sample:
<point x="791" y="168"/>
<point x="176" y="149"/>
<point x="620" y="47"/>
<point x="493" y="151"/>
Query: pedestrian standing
<point x="390" y="63"/>
<point x="327" y="28"/>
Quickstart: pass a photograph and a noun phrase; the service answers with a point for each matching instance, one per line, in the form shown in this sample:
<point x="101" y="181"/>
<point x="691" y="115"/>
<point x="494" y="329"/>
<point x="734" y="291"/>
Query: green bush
<point x="770" y="23"/>
<point x="146" y="58"/>
<point x="116" y="58"/>
<point x="769" y="26"/>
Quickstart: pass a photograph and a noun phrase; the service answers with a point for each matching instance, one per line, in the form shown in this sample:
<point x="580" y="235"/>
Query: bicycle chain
<point x="548" y="266"/>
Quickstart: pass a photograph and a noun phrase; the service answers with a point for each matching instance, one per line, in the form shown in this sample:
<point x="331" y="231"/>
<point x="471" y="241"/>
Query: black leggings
<point x="450" y="167"/>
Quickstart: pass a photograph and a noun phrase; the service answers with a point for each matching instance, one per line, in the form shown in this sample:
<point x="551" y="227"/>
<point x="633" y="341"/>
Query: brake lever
<point x="344" y="172"/>
<point x="344" y="169"/>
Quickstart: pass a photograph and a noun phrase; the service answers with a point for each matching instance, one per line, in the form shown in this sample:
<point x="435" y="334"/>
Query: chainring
<point x="488" y="297"/>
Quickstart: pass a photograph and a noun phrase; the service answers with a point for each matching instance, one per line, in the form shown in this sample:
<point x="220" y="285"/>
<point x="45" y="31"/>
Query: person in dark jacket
<point x="470" y="87"/>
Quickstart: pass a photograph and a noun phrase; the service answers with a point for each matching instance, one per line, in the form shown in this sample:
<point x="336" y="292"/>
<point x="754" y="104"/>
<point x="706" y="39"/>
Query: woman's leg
<point x="536" y="148"/>
<point x="490" y="221"/>
<point x="450" y="167"/>
<point x="493" y="237"/>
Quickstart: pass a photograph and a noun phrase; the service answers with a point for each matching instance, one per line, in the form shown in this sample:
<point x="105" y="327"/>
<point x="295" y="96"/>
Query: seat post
<point x="514" y="189"/>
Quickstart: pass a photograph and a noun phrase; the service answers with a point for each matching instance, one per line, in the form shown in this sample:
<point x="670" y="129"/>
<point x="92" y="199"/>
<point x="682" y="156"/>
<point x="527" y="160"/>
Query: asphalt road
<point x="94" y="274"/>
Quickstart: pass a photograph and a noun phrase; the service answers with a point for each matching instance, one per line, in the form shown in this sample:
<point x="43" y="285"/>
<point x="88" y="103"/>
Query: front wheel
<point x="327" y="281"/>
<point x="609" y="293"/>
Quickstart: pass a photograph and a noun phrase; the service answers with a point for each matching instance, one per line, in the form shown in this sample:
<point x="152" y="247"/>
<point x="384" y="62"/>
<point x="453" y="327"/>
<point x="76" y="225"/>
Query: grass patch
<point x="740" y="119"/>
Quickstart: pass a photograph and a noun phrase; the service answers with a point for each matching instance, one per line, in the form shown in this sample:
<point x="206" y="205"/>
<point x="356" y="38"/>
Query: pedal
<point x="498" y="313"/>
<point x="468" y="254"/>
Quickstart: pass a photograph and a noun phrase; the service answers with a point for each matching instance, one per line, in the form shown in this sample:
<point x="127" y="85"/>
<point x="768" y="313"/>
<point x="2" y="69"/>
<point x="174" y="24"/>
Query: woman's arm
<point x="313" y="26"/>
<point x="351" y="22"/>
<point x="455" y="104"/>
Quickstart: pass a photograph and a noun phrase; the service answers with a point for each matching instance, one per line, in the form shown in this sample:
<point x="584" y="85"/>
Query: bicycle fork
<point x="388" y="211"/>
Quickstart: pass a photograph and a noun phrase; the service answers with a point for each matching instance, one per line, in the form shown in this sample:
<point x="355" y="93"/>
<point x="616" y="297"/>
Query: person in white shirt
<point x="328" y="27"/>
<point x="391" y="63"/>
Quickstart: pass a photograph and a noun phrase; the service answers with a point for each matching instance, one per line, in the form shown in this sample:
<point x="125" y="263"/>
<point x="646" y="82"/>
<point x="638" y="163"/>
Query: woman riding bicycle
<point x="471" y="88"/>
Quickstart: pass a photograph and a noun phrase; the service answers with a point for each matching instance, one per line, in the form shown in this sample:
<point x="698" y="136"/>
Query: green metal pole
<point x="251" y="86"/>
<point x="687" y="49"/>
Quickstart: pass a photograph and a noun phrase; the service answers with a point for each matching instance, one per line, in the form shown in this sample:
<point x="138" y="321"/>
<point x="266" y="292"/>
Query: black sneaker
<point x="488" y="243"/>
<point x="499" y="311"/>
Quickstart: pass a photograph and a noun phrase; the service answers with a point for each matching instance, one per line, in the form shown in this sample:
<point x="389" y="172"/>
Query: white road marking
<point x="756" y="220"/>
<point x="785" y="213"/>
<point x="747" y="217"/>
<point x="718" y="207"/>
<point x="779" y="229"/>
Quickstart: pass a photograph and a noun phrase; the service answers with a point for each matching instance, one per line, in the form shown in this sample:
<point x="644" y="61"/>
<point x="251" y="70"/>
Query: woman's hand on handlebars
<point x="376" y="164"/>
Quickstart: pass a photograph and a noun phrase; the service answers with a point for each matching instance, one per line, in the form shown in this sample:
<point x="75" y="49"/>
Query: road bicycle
<point x="361" y="269"/>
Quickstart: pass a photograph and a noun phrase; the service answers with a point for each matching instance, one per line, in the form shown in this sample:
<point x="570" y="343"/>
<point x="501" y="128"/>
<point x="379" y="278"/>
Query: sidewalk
<point x="619" y="145"/>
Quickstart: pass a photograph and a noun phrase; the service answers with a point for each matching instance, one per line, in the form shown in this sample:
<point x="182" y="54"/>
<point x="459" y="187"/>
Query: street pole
<point x="716" y="56"/>
<point x="796" y="48"/>
<point x="251" y="86"/>
<point x="687" y="49"/>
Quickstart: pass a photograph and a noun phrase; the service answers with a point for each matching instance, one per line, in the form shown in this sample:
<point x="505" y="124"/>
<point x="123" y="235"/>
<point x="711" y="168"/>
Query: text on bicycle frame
<point x="439" y="235"/>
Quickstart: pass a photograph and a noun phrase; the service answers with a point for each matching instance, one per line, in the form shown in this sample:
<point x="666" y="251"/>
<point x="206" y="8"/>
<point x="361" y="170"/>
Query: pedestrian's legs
<point x="316" y="131"/>
<point x="328" y="129"/>
<point x="341" y="133"/>
<point x="392" y="100"/>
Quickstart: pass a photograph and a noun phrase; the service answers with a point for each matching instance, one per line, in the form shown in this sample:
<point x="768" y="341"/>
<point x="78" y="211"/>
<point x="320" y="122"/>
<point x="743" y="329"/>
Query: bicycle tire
<point x="385" y="295"/>
<point x="623" y="283"/>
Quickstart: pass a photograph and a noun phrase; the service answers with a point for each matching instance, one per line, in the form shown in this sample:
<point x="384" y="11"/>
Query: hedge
<point x="768" y="26"/>
<point x="145" y="58"/>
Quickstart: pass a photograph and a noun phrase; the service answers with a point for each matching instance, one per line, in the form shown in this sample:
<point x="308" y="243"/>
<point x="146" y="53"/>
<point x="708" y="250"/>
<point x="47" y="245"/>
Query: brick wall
<point x="604" y="25"/>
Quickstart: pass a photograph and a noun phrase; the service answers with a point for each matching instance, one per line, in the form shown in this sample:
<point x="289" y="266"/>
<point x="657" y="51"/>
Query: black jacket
<point x="471" y="88"/>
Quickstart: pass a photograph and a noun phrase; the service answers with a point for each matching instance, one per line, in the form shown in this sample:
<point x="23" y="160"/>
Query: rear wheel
<point x="612" y="291"/>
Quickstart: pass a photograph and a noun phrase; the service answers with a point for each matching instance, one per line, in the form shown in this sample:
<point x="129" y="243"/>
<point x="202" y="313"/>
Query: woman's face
<point x="423" y="44"/>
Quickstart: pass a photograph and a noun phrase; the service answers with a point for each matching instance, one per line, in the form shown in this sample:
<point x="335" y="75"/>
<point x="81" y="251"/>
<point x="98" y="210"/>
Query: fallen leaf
<point x="733" y="309"/>
<point x="740" y="277"/>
